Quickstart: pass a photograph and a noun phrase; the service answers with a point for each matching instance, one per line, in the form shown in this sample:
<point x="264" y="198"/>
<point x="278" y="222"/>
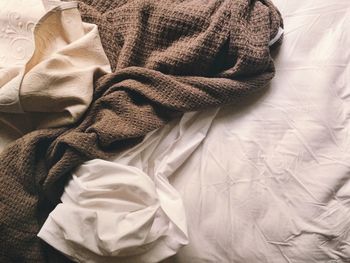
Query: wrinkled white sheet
<point x="127" y="210"/>
<point x="271" y="181"/>
<point x="268" y="180"/>
<point x="121" y="214"/>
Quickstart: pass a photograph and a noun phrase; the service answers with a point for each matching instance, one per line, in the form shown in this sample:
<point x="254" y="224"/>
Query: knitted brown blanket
<point x="168" y="57"/>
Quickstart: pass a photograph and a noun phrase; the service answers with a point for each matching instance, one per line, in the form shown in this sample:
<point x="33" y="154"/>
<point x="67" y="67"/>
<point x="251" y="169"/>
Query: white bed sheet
<point x="269" y="180"/>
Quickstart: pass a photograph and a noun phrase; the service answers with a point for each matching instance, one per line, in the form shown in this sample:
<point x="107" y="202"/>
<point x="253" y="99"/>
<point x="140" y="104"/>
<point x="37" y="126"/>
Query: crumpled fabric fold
<point x="111" y="211"/>
<point x="167" y="57"/>
<point x="134" y="184"/>
<point x="49" y="59"/>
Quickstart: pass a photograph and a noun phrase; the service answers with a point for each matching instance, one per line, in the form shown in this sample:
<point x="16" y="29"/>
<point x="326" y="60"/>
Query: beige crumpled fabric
<point x="48" y="59"/>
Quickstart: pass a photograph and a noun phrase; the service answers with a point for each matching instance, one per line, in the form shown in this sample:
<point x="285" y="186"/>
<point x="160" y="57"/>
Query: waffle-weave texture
<point x="168" y="57"/>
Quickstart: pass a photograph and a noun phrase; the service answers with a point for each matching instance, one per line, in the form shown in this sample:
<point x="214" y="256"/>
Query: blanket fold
<point x="48" y="58"/>
<point x="168" y="57"/>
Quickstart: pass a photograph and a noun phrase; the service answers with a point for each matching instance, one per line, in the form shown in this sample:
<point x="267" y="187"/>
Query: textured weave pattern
<point x="168" y="57"/>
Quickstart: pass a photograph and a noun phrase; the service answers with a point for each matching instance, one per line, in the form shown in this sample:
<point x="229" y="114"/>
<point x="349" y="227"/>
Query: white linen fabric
<point x="48" y="59"/>
<point x="126" y="210"/>
<point x="271" y="181"/>
<point x="267" y="180"/>
<point x="115" y="211"/>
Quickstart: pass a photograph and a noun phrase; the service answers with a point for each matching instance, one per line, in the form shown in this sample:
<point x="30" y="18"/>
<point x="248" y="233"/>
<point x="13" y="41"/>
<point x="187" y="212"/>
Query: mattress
<point x="267" y="179"/>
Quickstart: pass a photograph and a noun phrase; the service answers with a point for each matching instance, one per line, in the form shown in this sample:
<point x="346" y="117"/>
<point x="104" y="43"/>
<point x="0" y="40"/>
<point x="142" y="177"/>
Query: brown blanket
<point x="168" y="57"/>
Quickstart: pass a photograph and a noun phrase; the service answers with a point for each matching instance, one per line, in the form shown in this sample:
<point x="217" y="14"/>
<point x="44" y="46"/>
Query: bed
<point x="271" y="182"/>
<point x="267" y="179"/>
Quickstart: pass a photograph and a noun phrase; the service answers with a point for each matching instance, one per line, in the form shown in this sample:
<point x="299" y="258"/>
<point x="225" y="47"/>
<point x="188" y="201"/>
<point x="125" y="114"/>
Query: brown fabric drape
<point x="168" y="57"/>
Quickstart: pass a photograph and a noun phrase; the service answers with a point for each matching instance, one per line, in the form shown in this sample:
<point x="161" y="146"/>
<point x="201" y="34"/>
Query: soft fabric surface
<point x="168" y="57"/>
<point x="268" y="180"/>
<point x="112" y="212"/>
<point x="271" y="180"/>
<point x="93" y="205"/>
<point x="48" y="59"/>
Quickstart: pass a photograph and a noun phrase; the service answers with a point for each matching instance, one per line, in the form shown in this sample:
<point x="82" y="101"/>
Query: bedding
<point x="270" y="183"/>
<point x="168" y="57"/>
<point x="48" y="60"/>
<point x="112" y="212"/>
<point x="267" y="179"/>
<point x="94" y="205"/>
